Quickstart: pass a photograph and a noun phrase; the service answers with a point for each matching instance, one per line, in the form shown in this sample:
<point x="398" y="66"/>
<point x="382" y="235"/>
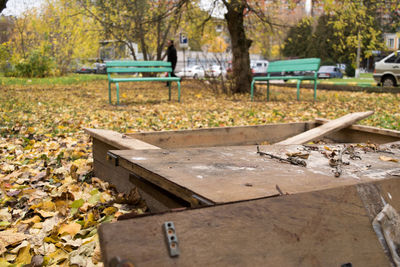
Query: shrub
<point x="36" y="65"/>
<point x="350" y="70"/>
<point x="328" y="62"/>
<point x="4" y="57"/>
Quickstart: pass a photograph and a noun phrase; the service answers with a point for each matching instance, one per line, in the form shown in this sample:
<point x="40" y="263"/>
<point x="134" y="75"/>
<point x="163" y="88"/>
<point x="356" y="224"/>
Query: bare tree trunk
<point x="240" y="46"/>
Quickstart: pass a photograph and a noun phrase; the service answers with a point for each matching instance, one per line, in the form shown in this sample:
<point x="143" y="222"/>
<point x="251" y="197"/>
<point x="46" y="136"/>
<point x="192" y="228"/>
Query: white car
<point x="259" y="67"/>
<point x="194" y="72"/>
<point x="216" y="71"/>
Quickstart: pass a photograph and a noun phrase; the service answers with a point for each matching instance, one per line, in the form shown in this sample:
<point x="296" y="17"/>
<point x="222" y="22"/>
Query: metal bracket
<point x="113" y="158"/>
<point x="171" y="238"/>
<point x="202" y="201"/>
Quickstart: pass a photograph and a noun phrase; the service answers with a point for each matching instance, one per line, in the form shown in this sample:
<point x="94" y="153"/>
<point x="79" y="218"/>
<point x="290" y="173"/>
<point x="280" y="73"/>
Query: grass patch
<point x="64" y="80"/>
<point x="364" y="78"/>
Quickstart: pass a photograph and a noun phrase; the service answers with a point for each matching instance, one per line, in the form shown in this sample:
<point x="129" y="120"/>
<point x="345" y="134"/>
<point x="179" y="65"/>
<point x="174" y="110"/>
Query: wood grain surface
<point x="226" y="174"/>
<point x="320" y="228"/>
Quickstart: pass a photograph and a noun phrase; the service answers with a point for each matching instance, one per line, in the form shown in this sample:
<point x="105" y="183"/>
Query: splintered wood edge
<point x="118" y="140"/>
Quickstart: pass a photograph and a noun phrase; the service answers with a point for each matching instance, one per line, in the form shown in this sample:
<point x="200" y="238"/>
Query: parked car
<point x="387" y="70"/>
<point x="86" y="70"/>
<point x="259" y="67"/>
<point x="98" y="68"/>
<point x="327" y="72"/>
<point x="195" y="72"/>
<point x="216" y="71"/>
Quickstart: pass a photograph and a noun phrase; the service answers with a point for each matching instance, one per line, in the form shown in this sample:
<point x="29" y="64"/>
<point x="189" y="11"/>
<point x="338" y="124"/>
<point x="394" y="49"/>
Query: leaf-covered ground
<point x="50" y="203"/>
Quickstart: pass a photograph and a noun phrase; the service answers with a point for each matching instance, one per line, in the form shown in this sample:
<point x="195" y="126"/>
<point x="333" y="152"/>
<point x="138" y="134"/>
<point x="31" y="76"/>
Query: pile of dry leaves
<point x="50" y="203"/>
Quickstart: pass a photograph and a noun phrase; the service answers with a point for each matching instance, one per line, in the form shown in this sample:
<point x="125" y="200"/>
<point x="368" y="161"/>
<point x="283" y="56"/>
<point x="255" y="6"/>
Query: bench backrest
<point x="138" y="66"/>
<point x="305" y="64"/>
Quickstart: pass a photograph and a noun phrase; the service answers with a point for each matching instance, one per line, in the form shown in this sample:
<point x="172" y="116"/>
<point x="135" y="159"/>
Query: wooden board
<point x="238" y="135"/>
<point x="366" y="129"/>
<point x="320" y="228"/>
<point x="327" y="128"/>
<point x="118" y="140"/>
<point x="224" y="136"/>
<point x="226" y="174"/>
<point x="123" y="181"/>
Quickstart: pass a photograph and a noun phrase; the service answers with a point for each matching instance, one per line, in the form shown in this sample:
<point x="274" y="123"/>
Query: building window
<point x="390" y="43"/>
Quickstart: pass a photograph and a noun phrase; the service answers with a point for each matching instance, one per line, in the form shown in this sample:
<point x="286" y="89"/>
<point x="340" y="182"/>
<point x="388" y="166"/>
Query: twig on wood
<point x="279" y="190"/>
<point x="290" y="160"/>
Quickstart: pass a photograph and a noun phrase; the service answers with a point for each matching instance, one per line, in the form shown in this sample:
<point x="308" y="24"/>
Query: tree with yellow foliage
<point x="59" y="31"/>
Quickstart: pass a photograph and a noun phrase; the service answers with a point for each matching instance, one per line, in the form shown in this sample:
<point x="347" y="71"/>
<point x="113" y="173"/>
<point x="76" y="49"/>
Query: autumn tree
<point x="345" y="26"/>
<point x="298" y="42"/>
<point x="148" y="23"/>
<point x="58" y="32"/>
<point x="238" y="13"/>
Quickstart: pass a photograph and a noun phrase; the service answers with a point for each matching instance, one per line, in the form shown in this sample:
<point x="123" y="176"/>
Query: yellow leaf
<point x="57" y="256"/>
<point x="46" y="214"/>
<point x="46" y="206"/>
<point x="24" y="256"/>
<point x="38" y="225"/>
<point x="34" y="219"/>
<point x="90" y="220"/>
<point x="49" y="239"/>
<point x="10" y="237"/>
<point x="384" y="158"/>
<point x="123" y="95"/>
<point x="72" y="228"/>
<point x="4" y="262"/>
<point x="110" y="210"/>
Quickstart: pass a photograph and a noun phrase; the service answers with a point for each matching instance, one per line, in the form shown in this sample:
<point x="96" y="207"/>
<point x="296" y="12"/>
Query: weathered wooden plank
<point x="223" y="136"/>
<point x="348" y="135"/>
<point x="156" y="198"/>
<point x="226" y="174"/>
<point x="366" y="129"/>
<point x="118" y="140"/>
<point x="327" y="128"/>
<point x="322" y="228"/>
<point x="154" y="178"/>
<point x="155" y="201"/>
<point x="122" y="179"/>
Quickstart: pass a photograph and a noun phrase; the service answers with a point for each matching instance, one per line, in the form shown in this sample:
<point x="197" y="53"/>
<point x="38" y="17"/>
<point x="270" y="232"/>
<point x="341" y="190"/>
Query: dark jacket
<point x="172" y="56"/>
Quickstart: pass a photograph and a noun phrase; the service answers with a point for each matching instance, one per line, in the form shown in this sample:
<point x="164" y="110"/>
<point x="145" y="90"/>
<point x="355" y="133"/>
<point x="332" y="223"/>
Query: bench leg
<point x="315" y="89"/>
<point x="109" y="92"/>
<point x="169" y="92"/>
<point x="252" y="90"/>
<point x="298" y="89"/>
<point x="268" y="90"/>
<point x="117" y="93"/>
<point x="179" y="92"/>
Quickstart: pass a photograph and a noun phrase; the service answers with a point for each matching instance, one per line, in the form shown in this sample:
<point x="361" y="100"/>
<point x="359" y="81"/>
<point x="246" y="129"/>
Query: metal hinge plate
<point x="171" y="238"/>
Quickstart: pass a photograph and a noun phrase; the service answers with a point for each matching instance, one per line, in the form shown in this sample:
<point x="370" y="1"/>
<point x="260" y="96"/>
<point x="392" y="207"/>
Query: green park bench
<point x="283" y="66"/>
<point x="139" y="67"/>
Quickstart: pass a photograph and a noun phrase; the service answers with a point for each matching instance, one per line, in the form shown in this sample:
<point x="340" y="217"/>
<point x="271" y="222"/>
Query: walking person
<point x="172" y="57"/>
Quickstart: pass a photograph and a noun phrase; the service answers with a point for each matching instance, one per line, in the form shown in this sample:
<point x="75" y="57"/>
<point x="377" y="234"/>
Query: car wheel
<point x="195" y="76"/>
<point x="388" y="81"/>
